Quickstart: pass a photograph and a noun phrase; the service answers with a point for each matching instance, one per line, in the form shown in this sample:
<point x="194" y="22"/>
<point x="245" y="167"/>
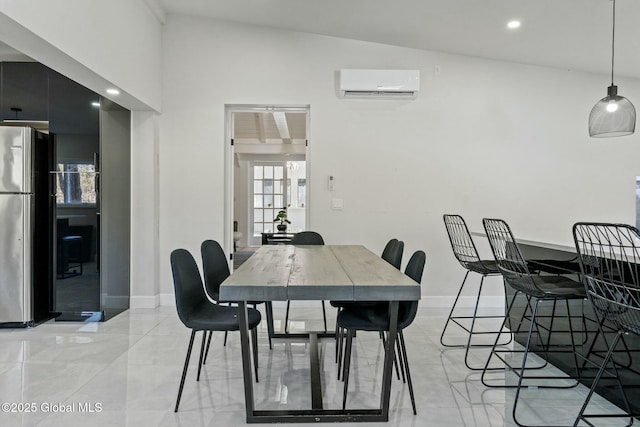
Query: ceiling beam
<point x="260" y="127"/>
<point x="283" y="128"/>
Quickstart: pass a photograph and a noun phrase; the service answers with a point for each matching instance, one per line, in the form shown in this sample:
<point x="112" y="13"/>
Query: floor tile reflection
<point x="129" y="368"/>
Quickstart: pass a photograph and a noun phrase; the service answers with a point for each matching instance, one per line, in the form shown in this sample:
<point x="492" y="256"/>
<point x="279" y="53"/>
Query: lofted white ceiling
<point x="567" y="34"/>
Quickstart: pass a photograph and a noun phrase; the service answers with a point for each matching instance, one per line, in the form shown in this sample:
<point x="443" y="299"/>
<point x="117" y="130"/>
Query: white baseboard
<point x="145" y="301"/>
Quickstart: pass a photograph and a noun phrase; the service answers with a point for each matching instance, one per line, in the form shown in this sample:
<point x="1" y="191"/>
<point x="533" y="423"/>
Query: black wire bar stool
<point x="610" y="261"/>
<point x="537" y="289"/>
<point x="466" y="253"/>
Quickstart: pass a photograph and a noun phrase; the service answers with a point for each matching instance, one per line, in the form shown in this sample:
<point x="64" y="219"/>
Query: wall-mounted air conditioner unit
<point x="379" y="83"/>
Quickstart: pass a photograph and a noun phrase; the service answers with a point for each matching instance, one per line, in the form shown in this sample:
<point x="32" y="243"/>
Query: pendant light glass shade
<point x="612" y="116"/>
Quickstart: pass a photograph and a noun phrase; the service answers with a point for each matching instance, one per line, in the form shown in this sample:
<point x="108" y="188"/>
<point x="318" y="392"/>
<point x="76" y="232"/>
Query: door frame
<point x="229" y="110"/>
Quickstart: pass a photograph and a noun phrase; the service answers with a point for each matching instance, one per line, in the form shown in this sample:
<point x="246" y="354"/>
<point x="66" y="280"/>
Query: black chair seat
<point x="214" y="317"/>
<point x="554" y="266"/>
<point x="483" y="267"/>
<point x="559" y="286"/>
<point x="373" y="318"/>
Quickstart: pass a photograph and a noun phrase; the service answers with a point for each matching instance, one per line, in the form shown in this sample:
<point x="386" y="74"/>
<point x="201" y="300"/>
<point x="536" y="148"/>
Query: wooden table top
<point x="319" y="272"/>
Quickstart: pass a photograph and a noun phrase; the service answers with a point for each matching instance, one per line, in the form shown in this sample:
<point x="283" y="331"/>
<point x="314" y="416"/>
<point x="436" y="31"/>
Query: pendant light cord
<point x="613" y="40"/>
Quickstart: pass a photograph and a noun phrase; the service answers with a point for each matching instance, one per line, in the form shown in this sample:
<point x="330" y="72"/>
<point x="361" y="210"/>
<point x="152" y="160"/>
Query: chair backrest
<point x="407" y="310"/>
<point x="461" y="242"/>
<point x="394" y="254"/>
<point x="415" y="266"/>
<point x="187" y="285"/>
<point x="510" y="261"/>
<point x="307" y="238"/>
<point x="387" y="249"/>
<point x="214" y="267"/>
<point x="609" y="257"/>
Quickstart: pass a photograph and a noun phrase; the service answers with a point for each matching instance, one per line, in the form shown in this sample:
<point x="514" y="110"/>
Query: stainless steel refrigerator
<point x="27" y="205"/>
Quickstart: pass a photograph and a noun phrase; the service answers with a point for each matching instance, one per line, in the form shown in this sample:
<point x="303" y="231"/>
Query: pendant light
<point x="613" y="115"/>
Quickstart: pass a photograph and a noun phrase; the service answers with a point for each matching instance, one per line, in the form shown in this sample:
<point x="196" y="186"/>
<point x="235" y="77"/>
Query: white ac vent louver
<point x="379" y="83"/>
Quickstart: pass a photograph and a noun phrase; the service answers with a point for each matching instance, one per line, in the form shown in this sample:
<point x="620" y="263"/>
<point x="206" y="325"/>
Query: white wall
<point x="144" y="210"/>
<point x="483" y="139"/>
<point x="95" y="43"/>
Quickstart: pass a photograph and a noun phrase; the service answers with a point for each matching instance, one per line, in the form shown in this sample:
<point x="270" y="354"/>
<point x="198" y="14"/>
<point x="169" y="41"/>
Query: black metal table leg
<point x="246" y="358"/>
<point x="388" y="359"/>
<point x="317" y="413"/>
<point x="316" y="382"/>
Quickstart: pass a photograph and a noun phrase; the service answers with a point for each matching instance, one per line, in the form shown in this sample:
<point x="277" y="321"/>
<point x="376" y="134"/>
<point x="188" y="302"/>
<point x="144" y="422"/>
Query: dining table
<point x="317" y="272"/>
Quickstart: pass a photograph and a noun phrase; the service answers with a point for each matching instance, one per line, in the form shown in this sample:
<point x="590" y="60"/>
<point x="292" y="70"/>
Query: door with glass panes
<point x="269" y="197"/>
<point x="271" y="193"/>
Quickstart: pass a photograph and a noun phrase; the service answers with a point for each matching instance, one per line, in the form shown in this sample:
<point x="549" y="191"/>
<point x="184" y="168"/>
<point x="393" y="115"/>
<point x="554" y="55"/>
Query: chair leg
<point x="472" y="328"/>
<point x="269" y="312"/>
<point x="347" y="363"/>
<point x="337" y="332"/>
<point x="286" y="318"/>
<point x="254" y="344"/>
<point x="395" y="356"/>
<point x="406" y="367"/>
<point x="608" y="357"/>
<point x="206" y="353"/>
<point x="455" y="302"/>
<point x="495" y="344"/>
<point x="341" y="339"/>
<point x="400" y="361"/>
<point x="324" y="317"/>
<point x="204" y="338"/>
<point x="524" y="360"/>
<point x="184" y="370"/>
<point x="573" y="342"/>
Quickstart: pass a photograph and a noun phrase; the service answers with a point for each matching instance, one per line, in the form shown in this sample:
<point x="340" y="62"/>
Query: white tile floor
<point x="127" y="371"/>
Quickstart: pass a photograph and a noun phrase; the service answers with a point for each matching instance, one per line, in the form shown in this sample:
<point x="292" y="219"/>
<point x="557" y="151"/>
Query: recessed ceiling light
<point x="95" y="104"/>
<point x="513" y="24"/>
<point x="113" y="91"/>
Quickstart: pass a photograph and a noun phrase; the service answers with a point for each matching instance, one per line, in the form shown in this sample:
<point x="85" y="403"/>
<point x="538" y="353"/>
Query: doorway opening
<point x="267" y="172"/>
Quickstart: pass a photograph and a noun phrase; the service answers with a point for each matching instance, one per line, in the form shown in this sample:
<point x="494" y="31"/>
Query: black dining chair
<point x="216" y="269"/>
<point x="306" y="238"/>
<point x="199" y="314"/>
<point x="392" y="253"/>
<point x="377" y="319"/>
<point x="537" y="289"/>
<point x="466" y="253"/>
<point x="609" y="256"/>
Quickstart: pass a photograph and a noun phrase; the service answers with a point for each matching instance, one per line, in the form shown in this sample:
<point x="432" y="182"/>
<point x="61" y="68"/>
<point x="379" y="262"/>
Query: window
<point x="302" y="192"/>
<point x="268" y="195"/>
<point x="75" y="183"/>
